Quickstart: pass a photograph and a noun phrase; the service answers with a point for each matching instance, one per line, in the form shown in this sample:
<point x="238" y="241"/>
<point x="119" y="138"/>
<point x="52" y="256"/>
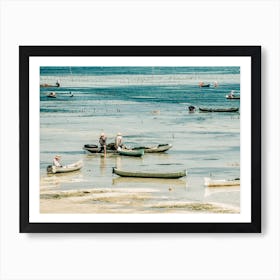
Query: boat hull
<point x="220" y="183"/>
<point x="218" y="110"/>
<point x="65" y="169"/>
<point x="156" y="149"/>
<point x="232" y="97"/>
<point x="143" y="174"/>
<point x="132" y="153"/>
<point x="94" y="149"/>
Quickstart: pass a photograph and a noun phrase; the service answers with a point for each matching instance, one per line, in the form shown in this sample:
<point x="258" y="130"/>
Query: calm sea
<point x="148" y="105"/>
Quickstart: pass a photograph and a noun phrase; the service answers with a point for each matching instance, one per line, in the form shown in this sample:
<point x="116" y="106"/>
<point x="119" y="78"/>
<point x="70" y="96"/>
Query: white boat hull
<point x="67" y="168"/>
<point x="208" y="182"/>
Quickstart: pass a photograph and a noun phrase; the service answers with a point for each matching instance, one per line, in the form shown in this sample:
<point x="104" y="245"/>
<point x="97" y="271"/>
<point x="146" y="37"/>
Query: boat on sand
<point x="219" y="110"/>
<point x="150" y="174"/>
<point x="51" y="169"/>
<point x="208" y="182"/>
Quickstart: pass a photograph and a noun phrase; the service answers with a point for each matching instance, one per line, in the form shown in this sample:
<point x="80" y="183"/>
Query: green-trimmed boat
<point x="219" y="110"/>
<point x="149" y="174"/>
<point x="131" y="153"/>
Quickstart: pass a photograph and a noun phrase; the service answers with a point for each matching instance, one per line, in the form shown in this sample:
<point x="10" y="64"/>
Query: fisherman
<point x="118" y="141"/>
<point x="191" y="108"/>
<point x="56" y="161"/>
<point x="231" y="95"/>
<point x="102" y="142"/>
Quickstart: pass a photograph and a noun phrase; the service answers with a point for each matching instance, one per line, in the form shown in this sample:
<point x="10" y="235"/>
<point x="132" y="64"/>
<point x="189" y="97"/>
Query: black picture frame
<point x="254" y="52"/>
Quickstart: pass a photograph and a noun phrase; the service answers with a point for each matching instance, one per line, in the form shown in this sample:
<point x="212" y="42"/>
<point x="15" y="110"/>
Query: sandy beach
<point x="124" y="201"/>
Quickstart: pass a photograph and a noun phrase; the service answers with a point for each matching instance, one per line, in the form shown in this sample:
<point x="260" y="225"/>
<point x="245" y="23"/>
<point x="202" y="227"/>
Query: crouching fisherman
<point x="56" y="161"/>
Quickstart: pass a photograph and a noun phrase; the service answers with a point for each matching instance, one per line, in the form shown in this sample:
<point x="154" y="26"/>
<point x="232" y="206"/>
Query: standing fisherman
<point x="102" y="142"/>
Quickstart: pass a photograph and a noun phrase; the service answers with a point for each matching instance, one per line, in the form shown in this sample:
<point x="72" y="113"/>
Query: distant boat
<point x="57" y="84"/>
<point x="51" y="169"/>
<point x="232" y="97"/>
<point x="201" y="84"/>
<point x="208" y="182"/>
<point x="51" y="94"/>
<point x="220" y="110"/>
<point x="155" y="149"/>
<point x="132" y="153"/>
<point x="149" y="174"/>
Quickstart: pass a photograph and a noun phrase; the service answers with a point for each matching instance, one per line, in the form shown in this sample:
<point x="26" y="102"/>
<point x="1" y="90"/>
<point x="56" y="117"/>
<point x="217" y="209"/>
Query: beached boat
<point x="51" y="94"/>
<point x="220" y="110"/>
<point x="132" y="153"/>
<point x="51" y="169"/>
<point x="154" y="149"/>
<point x="149" y="174"/>
<point x="221" y="183"/>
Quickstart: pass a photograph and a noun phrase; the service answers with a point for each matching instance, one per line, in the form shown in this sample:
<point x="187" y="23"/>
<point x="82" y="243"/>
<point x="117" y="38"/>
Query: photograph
<point x="140" y="140"/>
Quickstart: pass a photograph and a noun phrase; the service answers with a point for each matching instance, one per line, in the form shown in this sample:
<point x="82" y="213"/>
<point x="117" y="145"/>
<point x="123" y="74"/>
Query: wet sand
<point x="125" y="201"/>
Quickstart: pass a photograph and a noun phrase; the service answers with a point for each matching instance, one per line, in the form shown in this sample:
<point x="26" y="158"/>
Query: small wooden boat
<point x="51" y="94"/>
<point x="132" y="153"/>
<point x="51" y="169"/>
<point x="221" y="183"/>
<point x="57" y="84"/>
<point x="154" y="149"/>
<point x="93" y="149"/>
<point x="149" y="174"/>
<point x="220" y="110"/>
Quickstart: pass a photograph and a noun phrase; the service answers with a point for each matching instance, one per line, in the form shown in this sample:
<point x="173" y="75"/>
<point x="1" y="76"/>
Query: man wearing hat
<point x="118" y="141"/>
<point x="102" y="142"/>
<point x="56" y="161"/>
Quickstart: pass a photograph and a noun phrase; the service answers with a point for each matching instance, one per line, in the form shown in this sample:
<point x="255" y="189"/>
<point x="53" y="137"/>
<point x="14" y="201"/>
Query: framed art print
<point x="140" y="139"/>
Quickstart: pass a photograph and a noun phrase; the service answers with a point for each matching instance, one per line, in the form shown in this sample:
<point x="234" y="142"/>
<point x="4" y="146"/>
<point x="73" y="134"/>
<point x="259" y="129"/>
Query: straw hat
<point x="57" y="156"/>
<point x="119" y="134"/>
<point x="102" y="134"/>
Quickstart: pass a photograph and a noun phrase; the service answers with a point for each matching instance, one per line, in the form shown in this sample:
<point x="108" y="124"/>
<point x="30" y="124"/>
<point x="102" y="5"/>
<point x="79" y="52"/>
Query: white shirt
<point x="56" y="162"/>
<point x="118" y="140"/>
